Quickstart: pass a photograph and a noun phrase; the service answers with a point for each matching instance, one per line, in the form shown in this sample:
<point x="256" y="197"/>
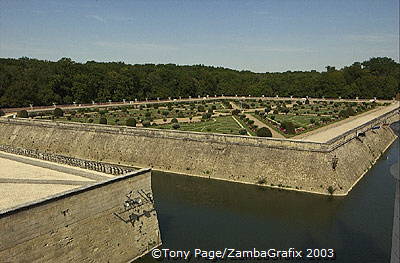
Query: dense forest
<point x="27" y="81"/>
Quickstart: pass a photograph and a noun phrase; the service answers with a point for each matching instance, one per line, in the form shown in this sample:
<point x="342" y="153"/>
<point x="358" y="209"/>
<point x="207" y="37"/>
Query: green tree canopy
<point x="30" y="81"/>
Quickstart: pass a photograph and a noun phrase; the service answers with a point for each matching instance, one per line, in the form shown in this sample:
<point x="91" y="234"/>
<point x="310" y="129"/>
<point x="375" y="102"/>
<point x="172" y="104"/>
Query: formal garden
<point x="238" y="117"/>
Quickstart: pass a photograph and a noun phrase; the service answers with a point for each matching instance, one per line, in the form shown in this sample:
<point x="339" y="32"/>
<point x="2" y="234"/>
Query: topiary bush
<point x="103" y="120"/>
<point x="235" y="112"/>
<point x="58" y="112"/>
<point x="22" y="114"/>
<point x="242" y="132"/>
<point x="176" y="126"/>
<point x="343" y="114"/>
<point x="289" y="127"/>
<point x="131" y="122"/>
<point x="350" y="111"/>
<point x="146" y="123"/>
<point x="174" y="120"/>
<point x="201" y="108"/>
<point x="206" y="116"/>
<point x="264" y="132"/>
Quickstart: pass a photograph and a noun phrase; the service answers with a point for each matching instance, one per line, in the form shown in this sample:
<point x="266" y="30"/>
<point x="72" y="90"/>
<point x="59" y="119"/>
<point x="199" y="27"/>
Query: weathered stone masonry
<point x="91" y="165"/>
<point x="291" y="164"/>
<point x="88" y="224"/>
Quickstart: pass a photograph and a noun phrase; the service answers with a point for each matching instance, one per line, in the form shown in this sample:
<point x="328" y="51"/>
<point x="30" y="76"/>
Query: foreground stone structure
<point x="108" y="221"/>
<point x="291" y="164"/>
<point x="91" y="165"/>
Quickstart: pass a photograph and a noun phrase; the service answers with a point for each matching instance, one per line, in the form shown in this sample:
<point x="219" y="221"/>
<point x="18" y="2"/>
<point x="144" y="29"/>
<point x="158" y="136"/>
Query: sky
<point x="260" y="36"/>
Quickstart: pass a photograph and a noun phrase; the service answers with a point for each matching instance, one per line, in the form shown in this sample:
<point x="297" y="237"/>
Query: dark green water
<point x="207" y="214"/>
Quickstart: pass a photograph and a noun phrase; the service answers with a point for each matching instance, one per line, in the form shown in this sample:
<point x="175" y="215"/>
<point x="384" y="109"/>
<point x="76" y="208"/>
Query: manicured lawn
<point x="221" y="124"/>
<point x="225" y="125"/>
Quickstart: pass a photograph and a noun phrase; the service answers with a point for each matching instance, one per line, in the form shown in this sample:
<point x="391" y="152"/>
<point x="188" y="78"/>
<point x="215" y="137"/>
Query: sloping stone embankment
<point x="289" y="164"/>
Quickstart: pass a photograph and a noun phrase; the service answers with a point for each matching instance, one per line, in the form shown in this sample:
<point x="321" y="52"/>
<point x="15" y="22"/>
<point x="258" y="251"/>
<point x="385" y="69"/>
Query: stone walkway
<point x="91" y="175"/>
<point x="33" y="181"/>
<point x="333" y="130"/>
<point x="24" y="179"/>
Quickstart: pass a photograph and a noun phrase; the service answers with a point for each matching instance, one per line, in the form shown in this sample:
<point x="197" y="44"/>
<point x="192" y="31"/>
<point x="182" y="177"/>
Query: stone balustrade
<point x="91" y="165"/>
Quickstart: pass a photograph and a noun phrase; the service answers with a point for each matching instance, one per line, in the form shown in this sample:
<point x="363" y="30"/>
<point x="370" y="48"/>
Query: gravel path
<point x="333" y="130"/>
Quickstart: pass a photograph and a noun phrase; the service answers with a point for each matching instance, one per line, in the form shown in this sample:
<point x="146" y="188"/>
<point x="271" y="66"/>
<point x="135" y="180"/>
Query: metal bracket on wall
<point x="142" y="198"/>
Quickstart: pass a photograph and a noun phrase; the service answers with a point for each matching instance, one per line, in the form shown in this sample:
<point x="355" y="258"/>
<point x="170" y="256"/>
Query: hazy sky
<point x="259" y="36"/>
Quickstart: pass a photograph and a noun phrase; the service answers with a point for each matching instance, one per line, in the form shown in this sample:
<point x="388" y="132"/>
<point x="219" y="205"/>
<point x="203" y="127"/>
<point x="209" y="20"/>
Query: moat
<point x="208" y="214"/>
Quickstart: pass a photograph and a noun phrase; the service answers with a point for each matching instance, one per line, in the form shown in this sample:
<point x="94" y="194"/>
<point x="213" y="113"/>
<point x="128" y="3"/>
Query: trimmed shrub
<point x="174" y="120"/>
<point x="235" y="112"/>
<point x="131" y="122"/>
<point x="289" y="127"/>
<point x="264" y="132"/>
<point x="206" y="116"/>
<point x="350" y="111"/>
<point x="103" y="120"/>
<point x="58" y="112"/>
<point x="146" y="123"/>
<point x="343" y="114"/>
<point x="22" y="114"/>
<point x="2" y="113"/>
<point x="242" y="132"/>
<point x="176" y="126"/>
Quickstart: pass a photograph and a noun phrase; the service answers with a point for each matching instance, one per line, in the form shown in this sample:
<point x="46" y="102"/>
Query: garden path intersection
<point x="315" y="120"/>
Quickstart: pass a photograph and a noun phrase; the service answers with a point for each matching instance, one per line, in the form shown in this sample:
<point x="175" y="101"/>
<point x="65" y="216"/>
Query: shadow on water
<point x="208" y="214"/>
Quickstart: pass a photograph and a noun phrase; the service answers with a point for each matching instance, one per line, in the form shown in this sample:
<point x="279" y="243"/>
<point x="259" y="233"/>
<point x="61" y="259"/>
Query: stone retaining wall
<point x="284" y="163"/>
<point x="87" y="224"/>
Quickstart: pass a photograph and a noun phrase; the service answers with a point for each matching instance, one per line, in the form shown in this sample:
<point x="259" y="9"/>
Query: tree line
<point x="28" y="81"/>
